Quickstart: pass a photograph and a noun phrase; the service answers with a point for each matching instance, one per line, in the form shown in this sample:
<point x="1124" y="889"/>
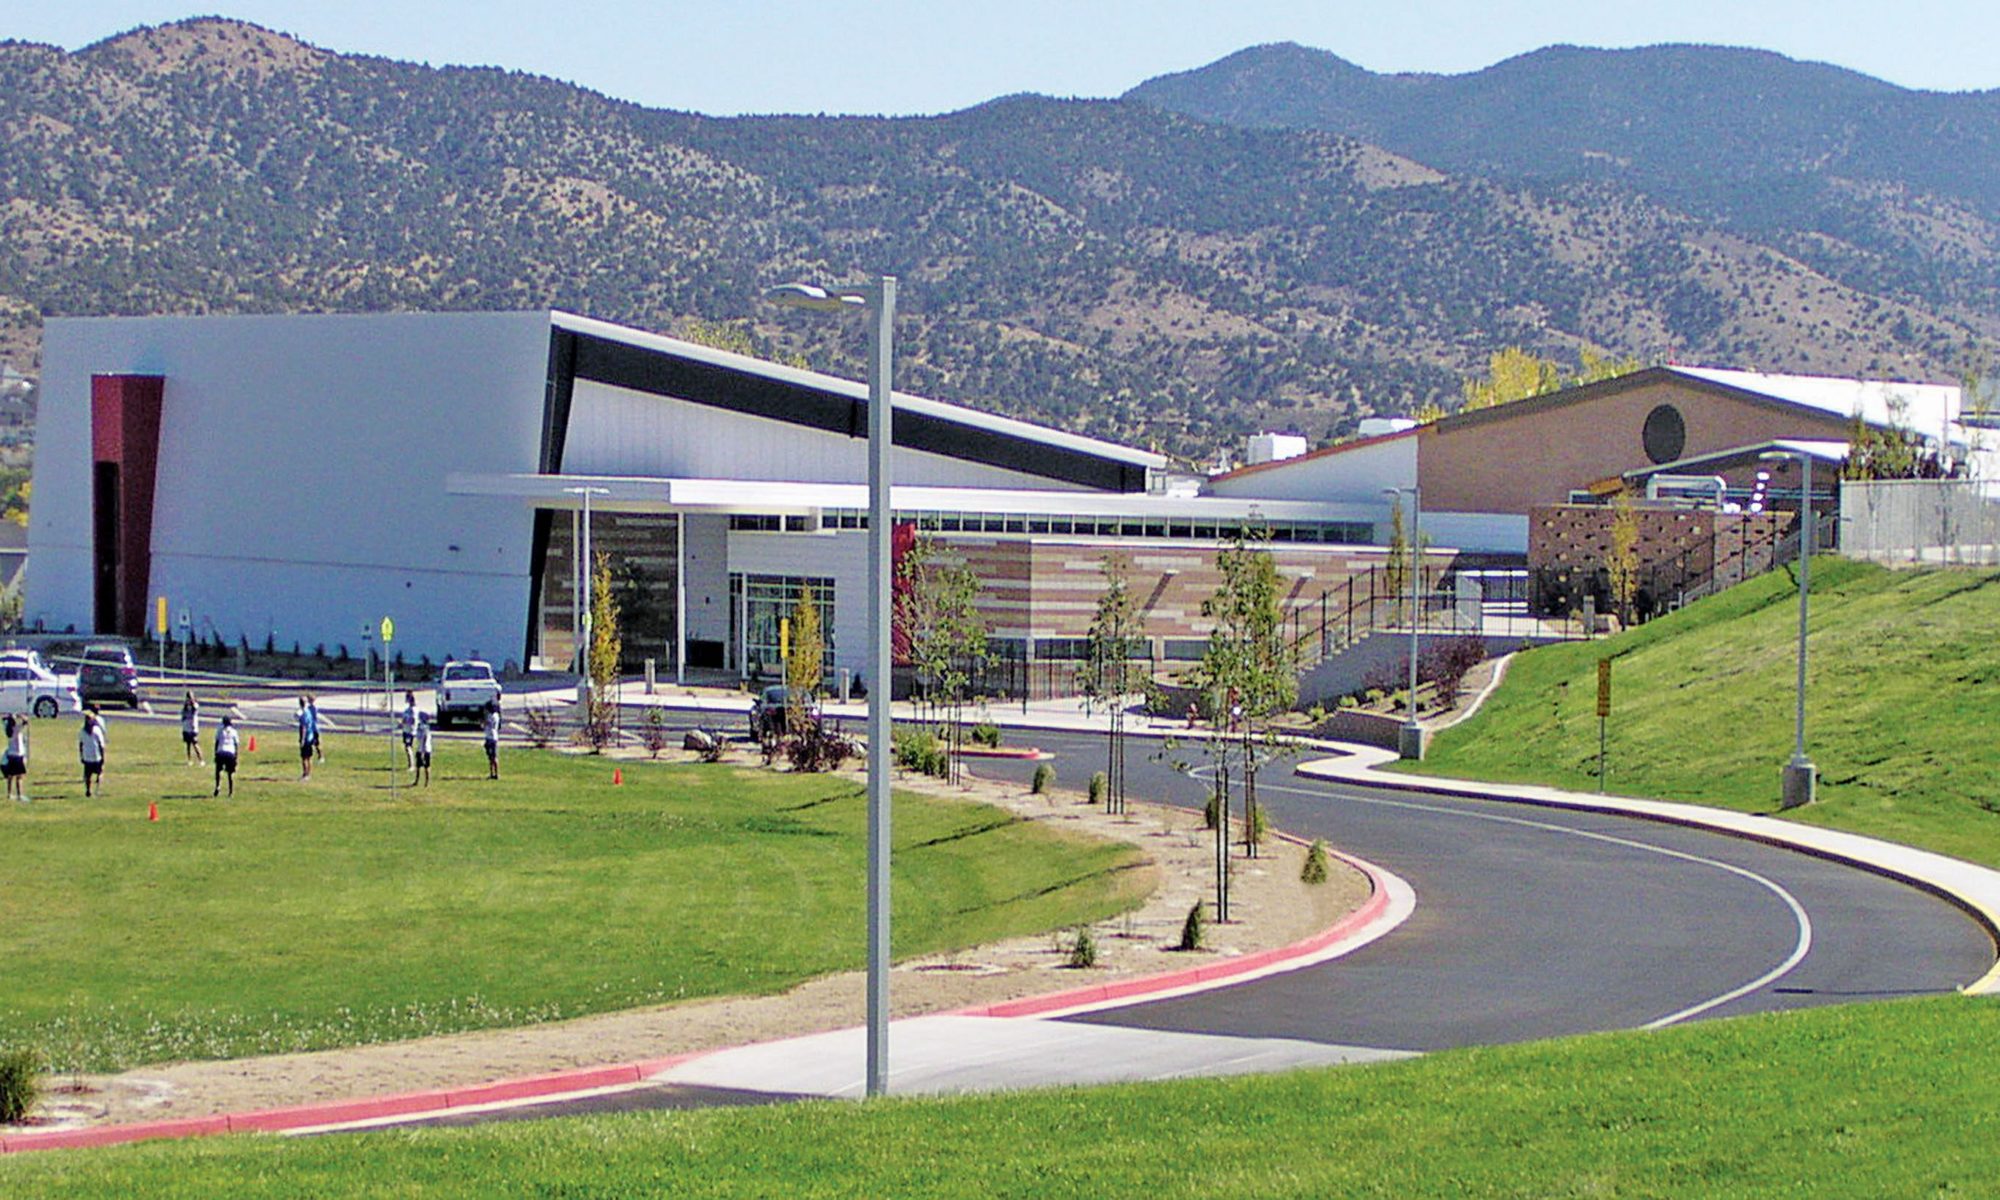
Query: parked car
<point x="768" y="712"/>
<point x="28" y="686"/>
<point x="464" y="688"/>
<point x="108" y="673"/>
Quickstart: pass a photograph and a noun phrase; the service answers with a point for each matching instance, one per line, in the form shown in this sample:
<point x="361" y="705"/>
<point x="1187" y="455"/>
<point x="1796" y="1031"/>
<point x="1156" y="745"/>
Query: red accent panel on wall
<point x="125" y="434"/>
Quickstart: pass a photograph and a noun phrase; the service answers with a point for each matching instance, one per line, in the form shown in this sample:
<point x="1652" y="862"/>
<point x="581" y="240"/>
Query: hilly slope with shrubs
<point x="1105" y="266"/>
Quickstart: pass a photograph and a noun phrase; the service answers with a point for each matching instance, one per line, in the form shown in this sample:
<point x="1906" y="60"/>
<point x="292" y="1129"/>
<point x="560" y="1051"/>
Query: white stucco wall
<point x="616" y="431"/>
<point x="841" y="556"/>
<point x="1355" y="474"/>
<point x="302" y="464"/>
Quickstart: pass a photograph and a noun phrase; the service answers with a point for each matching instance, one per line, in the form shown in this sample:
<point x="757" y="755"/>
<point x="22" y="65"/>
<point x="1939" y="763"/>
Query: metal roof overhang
<point x="599" y="352"/>
<point x="624" y="493"/>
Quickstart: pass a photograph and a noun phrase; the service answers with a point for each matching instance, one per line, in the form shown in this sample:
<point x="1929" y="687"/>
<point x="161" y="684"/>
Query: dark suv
<point x="108" y="673"/>
<point x="768" y="712"/>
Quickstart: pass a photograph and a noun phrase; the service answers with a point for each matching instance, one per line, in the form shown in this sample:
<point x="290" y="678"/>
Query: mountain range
<point x="1280" y="240"/>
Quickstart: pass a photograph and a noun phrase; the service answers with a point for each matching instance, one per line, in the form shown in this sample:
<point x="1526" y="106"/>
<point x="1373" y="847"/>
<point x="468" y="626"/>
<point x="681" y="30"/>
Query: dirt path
<point x="1272" y="908"/>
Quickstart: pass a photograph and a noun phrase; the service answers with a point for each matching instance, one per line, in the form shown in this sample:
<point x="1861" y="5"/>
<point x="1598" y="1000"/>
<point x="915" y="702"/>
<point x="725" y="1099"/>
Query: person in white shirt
<point x="90" y="750"/>
<point x="422" y="768"/>
<point x="225" y="755"/>
<point x="190" y="728"/>
<point x="15" y="765"/>
<point x="491" y="728"/>
<point x="407" y="722"/>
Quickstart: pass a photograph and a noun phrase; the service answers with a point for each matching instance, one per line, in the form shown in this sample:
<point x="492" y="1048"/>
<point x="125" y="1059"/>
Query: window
<point x="758" y="606"/>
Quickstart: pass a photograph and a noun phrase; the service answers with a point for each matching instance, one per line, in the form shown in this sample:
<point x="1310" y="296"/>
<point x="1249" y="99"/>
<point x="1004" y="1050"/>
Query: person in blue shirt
<point x="308" y="734"/>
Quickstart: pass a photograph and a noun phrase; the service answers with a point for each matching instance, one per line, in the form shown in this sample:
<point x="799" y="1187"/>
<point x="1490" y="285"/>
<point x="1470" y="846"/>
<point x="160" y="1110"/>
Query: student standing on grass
<point x="308" y="736"/>
<point x="491" y="728"/>
<point x="422" y="769"/>
<point x="408" y="722"/>
<point x="90" y="750"/>
<point x="225" y="755"/>
<point x="15" y="765"/>
<point x="190" y="729"/>
<point x="312" y="706"/>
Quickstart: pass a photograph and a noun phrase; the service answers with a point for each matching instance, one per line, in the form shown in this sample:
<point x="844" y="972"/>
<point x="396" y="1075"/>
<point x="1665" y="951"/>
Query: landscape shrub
<point x="1259" y="825"/>
<point x="1083" y="950"/>
<point x="653" y="731"/>
<point x="1446" y="663"/>
<point x="813" y="747"/>
<point x="986" y="733"/>
<point x="20" y="1083"/>
<point x="1194" y="929"/>
<point x="544" y="727"/>
<point x="919" y="750"/>
<point x="1045" y="778"/>
<point x="1098" y="785"/>
<point x="1211" y="812"/>
<point x="1315" y="869"/>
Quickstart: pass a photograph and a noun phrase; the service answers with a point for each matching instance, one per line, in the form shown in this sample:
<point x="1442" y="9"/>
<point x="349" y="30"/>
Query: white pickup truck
<point x="464" y="689"/>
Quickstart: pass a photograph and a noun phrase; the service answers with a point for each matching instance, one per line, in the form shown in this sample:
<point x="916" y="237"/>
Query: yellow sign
<point x="160" y="607"/>
<point x="388" y="631"/>
<point x="1603" y="687"/>
<point x="784" y="639"/>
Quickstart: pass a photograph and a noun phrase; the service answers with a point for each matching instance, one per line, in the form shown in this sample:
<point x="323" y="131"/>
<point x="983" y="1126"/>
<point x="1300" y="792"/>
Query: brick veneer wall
<point x="1679" y="548"/>
<point x="1050" y="588"/>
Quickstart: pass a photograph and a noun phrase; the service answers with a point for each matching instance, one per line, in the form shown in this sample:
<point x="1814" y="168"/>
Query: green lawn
<point x="1902" y="706"/>
<point x="302" y="916"/>
<point x="1881" y="1100"/>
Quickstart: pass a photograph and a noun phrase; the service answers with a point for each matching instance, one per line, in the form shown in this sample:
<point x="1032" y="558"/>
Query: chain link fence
<point x="1921" y="520"/>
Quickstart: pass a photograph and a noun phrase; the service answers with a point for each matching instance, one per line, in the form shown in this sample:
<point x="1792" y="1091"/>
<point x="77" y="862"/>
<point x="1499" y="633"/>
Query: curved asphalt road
<point x="1534" y="922"/>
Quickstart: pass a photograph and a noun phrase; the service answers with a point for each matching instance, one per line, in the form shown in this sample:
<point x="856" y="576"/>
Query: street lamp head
<point x="1781" y="456"/>
<point x="815" y="298"/>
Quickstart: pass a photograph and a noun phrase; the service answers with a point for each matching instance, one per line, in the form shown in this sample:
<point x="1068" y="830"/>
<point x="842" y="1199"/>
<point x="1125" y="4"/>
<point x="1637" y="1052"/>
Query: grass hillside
<point x="1902" y="707"/>
<point x="1877" y="1100"/>
<point x="302" y="916"/>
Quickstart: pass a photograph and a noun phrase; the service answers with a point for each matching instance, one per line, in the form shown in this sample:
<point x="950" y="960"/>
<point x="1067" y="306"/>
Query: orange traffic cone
<point x="253" y="744"/>
<point x="153" y="811"/>
<point x="617" y="776"/>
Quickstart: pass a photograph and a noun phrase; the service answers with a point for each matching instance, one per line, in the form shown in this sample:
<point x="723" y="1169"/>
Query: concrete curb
<point x="1389" y="904"/>
<point x="1969" y="886"/>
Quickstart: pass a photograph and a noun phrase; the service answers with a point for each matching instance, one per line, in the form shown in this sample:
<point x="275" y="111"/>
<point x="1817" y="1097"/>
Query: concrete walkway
<point x="949" y="1054"/>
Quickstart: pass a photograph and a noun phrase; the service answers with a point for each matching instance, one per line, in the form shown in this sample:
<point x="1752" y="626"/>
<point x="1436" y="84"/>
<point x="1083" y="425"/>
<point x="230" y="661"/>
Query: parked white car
<point x="464" y="689"/>
<point x="26" y="685"/>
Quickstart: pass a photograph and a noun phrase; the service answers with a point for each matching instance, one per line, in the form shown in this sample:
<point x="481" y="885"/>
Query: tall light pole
<point x="879" y="299"/>
<point x="580" y="625"/>
<point x="1801" y="777"/>
<point x="1410" y="738"/>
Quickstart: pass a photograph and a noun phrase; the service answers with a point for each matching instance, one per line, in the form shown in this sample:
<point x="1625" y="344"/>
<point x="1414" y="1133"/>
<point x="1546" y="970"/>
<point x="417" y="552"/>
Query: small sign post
<point x="186" y="624"/>
<point x="160" y="631"/>
<point x="388" y="631"/>
<point x="1603" y="714"/>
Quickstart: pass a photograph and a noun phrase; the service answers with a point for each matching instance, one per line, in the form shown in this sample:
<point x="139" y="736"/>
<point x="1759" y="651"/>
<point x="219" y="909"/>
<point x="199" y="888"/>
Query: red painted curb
<point x="277" y="1120"/>
<point x="1130" y="989"/>
<point x="1023" y="752"/>
<point x="305" y="1116"/>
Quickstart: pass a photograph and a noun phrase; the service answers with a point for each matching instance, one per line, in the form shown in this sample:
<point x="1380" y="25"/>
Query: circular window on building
<point x="1666" y="434"/>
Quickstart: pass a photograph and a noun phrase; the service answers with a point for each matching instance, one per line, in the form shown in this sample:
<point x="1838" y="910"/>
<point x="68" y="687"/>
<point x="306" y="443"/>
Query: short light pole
<point x="1801" y="779"/>
<point x="879" y="299"/>
<point x="580" y="625"/>
<point x="1410" y="738"/>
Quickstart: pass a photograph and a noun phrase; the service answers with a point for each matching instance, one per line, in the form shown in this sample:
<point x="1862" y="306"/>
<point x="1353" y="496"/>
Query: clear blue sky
<point x="913" y="56"/>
